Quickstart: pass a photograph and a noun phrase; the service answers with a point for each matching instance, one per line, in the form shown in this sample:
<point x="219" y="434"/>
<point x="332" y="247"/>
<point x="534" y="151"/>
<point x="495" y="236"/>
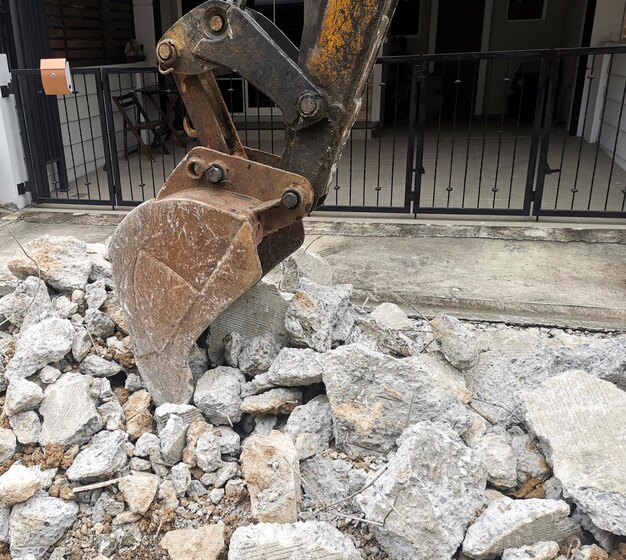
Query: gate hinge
<point x="23" y="188"/>
<point x="7" y="90"/>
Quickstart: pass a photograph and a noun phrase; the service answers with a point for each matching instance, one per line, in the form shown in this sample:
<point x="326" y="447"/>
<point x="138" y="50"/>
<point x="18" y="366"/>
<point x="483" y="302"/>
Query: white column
<point x="144" y="29"/>
<point x="12" y="165"/>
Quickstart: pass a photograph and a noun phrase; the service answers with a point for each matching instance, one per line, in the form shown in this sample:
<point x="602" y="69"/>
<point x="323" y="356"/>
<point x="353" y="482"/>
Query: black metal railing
<point x="475" y="133"/>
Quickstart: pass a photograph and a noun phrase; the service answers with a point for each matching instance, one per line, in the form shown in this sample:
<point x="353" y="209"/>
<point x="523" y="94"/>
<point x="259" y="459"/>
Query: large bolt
<point x="290" y="199"/>
<point x="309" y="104"/>
<point x="166" y="51"/>
<point x="216" y="23"/>
<point x="215" y="173"/>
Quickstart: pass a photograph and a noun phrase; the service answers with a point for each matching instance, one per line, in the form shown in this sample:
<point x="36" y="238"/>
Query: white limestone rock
<point x="26" y="426"/>
<point x="218" y="395"/>
<point x="311" y="427"/>
<point x="314" y="312"/>
<point x="99" y="367"/>
<point x="49" y="375"/>
<point x="580" y="421"/>
<point x="547" y="550"/>
<point x="270" y="466"/>
<point x="28" y="304"/>
<point x="69" y="413"/>
<point x="304" y="264"/>
<point x="102" y="458"/>
<point x="436" y="484"/>
<point x="37" y="524"/>
<point x="508" y="523"/>
<point x="46" y="342"/>
<point x="456" y="340"/>
<point x="21" y="395"/>
<point x="98" y="324"/>
<point x="373" y="397"/>
<point x="18" y="484"/>
<point x="309" y="539"/>
<point x="497" y="456"/>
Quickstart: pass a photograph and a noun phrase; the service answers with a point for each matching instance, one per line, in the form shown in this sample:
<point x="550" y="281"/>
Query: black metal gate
<point x="502" y="133"/>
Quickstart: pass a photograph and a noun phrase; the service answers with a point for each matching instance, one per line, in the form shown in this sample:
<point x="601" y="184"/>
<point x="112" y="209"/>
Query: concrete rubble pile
<point x="317" y="429"/>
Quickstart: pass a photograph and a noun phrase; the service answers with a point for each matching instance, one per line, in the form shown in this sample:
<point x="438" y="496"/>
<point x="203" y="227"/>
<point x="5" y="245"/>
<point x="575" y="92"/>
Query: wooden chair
<point x="136" y="120"/>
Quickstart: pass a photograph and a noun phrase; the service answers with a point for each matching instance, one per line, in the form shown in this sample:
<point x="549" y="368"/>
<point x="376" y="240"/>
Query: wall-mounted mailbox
<point x="56" y="76"/>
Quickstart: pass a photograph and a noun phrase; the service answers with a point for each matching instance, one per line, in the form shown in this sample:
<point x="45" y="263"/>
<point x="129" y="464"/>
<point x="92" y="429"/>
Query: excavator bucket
<point x="228" y="214"/>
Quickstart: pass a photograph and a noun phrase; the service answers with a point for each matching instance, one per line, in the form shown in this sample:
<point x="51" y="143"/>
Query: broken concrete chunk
<point x="203" y="543"/>
<point x="95" y="294"/>
<point x="428" y="495"/>
<point x="208" y="452"/>
<point x="8" y="283"/>
<point x="37" y="524"/>
<point x="498" y="458"/>
<point x="99" y="324"/>
<point x="173" y="438"/>
<point x="26" y="426"/>
<point x="81" y="344"/>
<point x="137" y="413"/>
<point x="29" y="304"/>
<point x="187" y="412"/>
<point x="230" y="442"/>
<point x="69" y="413"/>
<point x="548" y="550"/>
<point x="370" y="333"/>
<point x="373" y="397"/>
<point x="181" y="478"/>
<point x="311" y="427"/>
<point x="46" y="342"/>
<point x="101" y="459"/>
<point x="304" y="264"/>
<point x="259" y="311"/>
<point x="145" y="444"/>
<point x="49" y="375"/>
<point x="275" y="401"/>
<point x="270" y="466"/>
<point x="508" y="523"/>
<point x="8" y="444"/>
<point x="456" y="341"/>
<point x="21" y="395"/>
<point x="233" y="343"/>
<point x="391" y="316"/>
<point x="314" y="312"/>
<point x="293" y="367"/>
<point x="64" y="306"/>
<point x="139" y="491"/>
<point x="113" y="310"/>
<point x="99" y="367"/>
<point x="258" y="353"/>
<point x="590" y="552"/>
<point x="113" y="415"/>
<point x="18" y="484"/>
<point x="579" y="418"/>
<point x="62" y="262"/>
<point x="310" y="539"/>
<point x="530" y="461"/>
<point x="218" y="395"/>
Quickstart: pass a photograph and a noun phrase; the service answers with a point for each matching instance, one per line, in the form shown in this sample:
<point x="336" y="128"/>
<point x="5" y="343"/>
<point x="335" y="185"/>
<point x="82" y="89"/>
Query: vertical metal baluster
<point x="380" y="139"/>
<point x="154" y="193"/>
<point x="590" y="78"/>
<point x="505" y="82"/>
<point x="130" y="173"/>
<point x="141" y="181"/>
<point x="258" y="118"/>
<point x="93" y="146"/>
<point x="619" y="126"/>
<point x="519" y="117"/>
<point x="336" y="187"/>
<point x="443" y="75"/>
<point x="82" y="141"/>
<point x="469" y="127"/>
<point x="69" y="136"/>
<point x="457" y="86"/>
<point x="595" y="161"/>
<point x="244" y="97"/>
<point x="395" y="128"/>
<point x="350" y="167"/>
<point x="367" y="116"/>
<point x="485" y="121"/>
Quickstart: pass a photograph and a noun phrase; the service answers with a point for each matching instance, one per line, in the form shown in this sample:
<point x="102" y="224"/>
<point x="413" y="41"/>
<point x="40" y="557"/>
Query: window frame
<point x="542" y="18"/>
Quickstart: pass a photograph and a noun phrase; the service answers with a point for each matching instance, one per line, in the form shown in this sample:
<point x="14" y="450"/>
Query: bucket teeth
<point x="179" y="262"/>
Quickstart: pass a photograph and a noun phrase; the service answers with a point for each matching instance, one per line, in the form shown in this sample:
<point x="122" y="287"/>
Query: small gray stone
<point x="187" y="412"/>
<point x="435" y="484"/>
<point x="49" y="375"/>
<point x="198" y="361"/>
<point x="64" y="306"/>
<point x="311" y="427"/>
<point x="173" y="439"/>
<point x="216" y="495"/>
<point x="547" y="550"/>
<point x="457" y="341"/>
<point x="302" y="540"/>
<point x="258" y="353"/>
<point x="530" y="461"/>
<point x="145" y="444"/>
<point x="498" y="458"/>
<point x="69" y="413"/>
<point x="181" y="478"/>
<point x="99" y="324"/>
<point x="314" y="312"/>
<point x="263" y="425"/>
<point x="208" y="452"/>
<point x="62" y="261"/>
<point x="233" y="343"/>
<point x="8" y="444"/>
<point x="293" y="367"/>
<point x="137" y="464"/>
<point x="38" y="523"/>
<point x="41" y="344"/>
<point x="225" y="473"/>
<point x="21" y="395"/>
<point x="101" y="459"/>
<point x="275" y="401"/>
<point x="133" y="383"/>
<point x="113" y="414"/>
<point x="81" y="344"/>
<point x="218" y="395"/>
<point x="230" y="442"/>
<point x="26" y="426"/>
<point x="196" y="489"/>
<point x="95" y="294"/>
<point x="508" y="523"/>
<point x="99" y="367"/>
<point x="28" y="305"/>
<point x="5" y="512"/>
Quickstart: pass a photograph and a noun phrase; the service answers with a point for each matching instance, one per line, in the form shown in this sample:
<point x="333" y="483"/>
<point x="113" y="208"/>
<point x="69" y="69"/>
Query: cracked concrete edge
<point x="371" y="227"/>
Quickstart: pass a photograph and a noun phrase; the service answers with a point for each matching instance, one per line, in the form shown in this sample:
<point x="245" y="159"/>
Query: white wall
<point x="12" y="166"/>
<point x="611" y="122"/>
<point x="607" y="24"/>
<point x="144" y="28"/>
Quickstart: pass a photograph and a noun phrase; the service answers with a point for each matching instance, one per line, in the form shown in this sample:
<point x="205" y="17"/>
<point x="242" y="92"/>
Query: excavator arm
<point x="228" y="214"/>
